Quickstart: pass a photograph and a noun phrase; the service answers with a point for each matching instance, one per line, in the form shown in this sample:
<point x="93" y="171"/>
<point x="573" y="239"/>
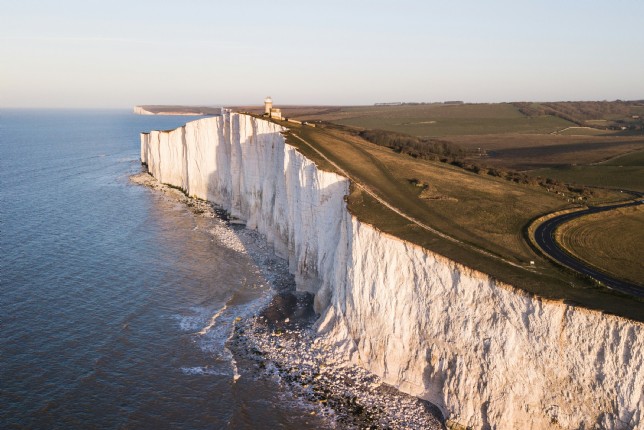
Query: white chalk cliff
<point x="141" y="111"/>
<point x="489" y="355"/>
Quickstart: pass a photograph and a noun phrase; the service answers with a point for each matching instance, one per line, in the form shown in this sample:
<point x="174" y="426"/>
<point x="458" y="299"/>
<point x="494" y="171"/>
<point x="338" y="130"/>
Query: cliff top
<point x="475" y="219"/>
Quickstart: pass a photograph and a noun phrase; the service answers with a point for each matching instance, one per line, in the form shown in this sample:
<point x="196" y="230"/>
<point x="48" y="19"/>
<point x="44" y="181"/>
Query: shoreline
<point x="279" y="342"/>
<point x="351" y="396"/>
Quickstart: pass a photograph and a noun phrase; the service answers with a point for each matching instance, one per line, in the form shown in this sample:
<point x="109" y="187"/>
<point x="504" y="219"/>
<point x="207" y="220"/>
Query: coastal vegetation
<point x="448" y="152"/>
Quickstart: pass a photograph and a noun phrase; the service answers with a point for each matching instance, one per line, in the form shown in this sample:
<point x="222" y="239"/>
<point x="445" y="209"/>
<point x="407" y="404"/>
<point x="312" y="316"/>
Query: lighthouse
<point x="268" y="105"/>
<point x="270" y="111"/>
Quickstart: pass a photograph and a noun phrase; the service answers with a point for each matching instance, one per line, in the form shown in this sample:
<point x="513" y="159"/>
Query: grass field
<point x="611" y="241"/>
<point x="482" y="210"/>
<point x="436" y="120"/>
<point x="623" y="172"/>
<point x="584" y="131"/>
<point x="628" y="178"/>
<point x="627" y="160"/>
<point x="484" y="215"/>
<point x="582" y="153"/>
<point x="511" y="139"/>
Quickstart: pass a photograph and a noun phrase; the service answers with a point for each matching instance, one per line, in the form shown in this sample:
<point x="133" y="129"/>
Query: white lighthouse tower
<point x="268" y="105"/>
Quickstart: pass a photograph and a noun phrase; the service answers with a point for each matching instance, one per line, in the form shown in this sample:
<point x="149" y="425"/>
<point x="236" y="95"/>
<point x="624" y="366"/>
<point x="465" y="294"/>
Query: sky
<point x="121" y="53"/>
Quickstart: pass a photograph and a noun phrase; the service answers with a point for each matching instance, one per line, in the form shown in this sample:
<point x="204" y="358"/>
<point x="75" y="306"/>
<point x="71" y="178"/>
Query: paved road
<point x="544" y="236"/>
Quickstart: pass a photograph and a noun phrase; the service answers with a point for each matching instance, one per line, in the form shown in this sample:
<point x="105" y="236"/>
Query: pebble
<point x="353" y="397"/>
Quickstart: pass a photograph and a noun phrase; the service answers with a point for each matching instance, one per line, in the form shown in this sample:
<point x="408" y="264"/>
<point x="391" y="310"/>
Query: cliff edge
<point x="488" y="354"/>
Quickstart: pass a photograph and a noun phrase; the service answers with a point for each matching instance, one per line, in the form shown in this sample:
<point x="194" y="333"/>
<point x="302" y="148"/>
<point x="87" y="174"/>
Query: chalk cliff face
<point x="489" y="355"/>
<point x="140" y="111"/>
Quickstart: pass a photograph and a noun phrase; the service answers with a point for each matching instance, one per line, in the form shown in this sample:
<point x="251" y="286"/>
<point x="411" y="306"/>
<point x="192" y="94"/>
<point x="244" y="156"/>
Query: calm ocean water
<point x="109" y="291"/>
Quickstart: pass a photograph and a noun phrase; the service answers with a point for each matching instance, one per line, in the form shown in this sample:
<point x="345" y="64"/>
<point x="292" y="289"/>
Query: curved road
<point x="544" y="236"/>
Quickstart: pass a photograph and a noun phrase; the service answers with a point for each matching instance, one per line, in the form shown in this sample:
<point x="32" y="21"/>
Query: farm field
<point x="527" y="152"/>
<point x="507" y="137"/>
<point x="583" y="131"/>
<point x="436" y="120"/>
<point x="611" y="241"/>
<point x="464" y="205"/>
<point x="623" y="172"/>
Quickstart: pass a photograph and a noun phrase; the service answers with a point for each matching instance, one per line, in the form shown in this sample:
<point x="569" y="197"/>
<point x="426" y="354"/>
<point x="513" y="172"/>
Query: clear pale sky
<point x="118" y="53"/>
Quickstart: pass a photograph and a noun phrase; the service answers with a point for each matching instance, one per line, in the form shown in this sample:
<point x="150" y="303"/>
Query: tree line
<point x="450" y="153"/>
<point x="417" y="147"/>
<point x="580" y="112"/>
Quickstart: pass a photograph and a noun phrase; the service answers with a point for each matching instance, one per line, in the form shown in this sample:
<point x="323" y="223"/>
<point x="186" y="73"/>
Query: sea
<point x="116" y="302"/>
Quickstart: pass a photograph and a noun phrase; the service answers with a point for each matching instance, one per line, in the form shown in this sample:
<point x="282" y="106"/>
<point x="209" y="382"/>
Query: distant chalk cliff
<point x="176" y="110"/>
<point x="141" y="111"/>
<point x="488" y="354"/>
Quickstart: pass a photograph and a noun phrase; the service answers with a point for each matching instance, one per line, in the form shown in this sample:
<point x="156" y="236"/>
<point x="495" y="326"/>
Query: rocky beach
<point x="279" y="341"/>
